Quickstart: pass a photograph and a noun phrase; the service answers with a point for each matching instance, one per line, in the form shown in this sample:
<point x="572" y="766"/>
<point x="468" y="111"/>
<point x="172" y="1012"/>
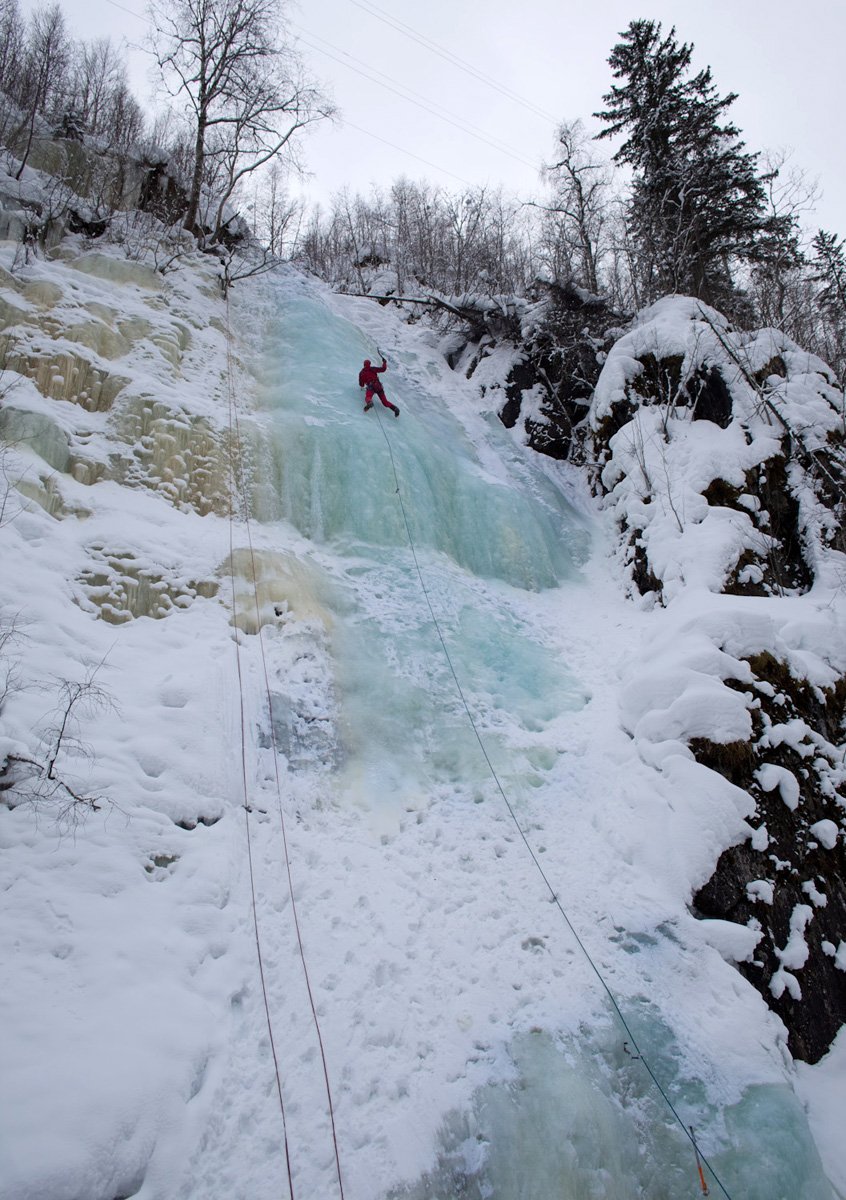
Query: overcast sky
<point x="527" y="64"/>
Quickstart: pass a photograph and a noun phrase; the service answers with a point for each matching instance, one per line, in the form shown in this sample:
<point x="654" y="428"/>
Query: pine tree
<point x="830" y="263"/>
<point x="830" y="259"/>
<point x="697" y="203"/>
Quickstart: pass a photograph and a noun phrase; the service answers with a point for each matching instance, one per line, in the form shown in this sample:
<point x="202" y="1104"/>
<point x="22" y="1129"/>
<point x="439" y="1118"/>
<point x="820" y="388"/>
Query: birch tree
<point x="576" y="222"/>
<point x="244" y="91"/>
<point x="45" y="63"/>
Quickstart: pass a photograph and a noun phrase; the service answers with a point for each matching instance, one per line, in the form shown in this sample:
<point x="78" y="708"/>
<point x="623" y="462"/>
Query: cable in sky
<point x="412" y="97"/>
<point x="402" y="150"/>
<point x="448" y="56"/>
<point x="115" y="4"/>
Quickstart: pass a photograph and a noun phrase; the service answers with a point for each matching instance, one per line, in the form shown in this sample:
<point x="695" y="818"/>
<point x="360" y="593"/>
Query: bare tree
<point x="12" y="38"/>
<point x="11" y="632"/>
<point x="99" y="94"/>
<point x="621" y="276"/>
<point x="43" y="780"/>
<point x="97" y="71"/>
<point x="775" y="269"/>
<point x="124" y="117"/>
<point x="470" y="241"/>
<point x="244" y="90"/>
<point x="830" y="263"/>
<point x="276" y="217"/>
<point x="577" y="223"/>
<point x="42" y="75"/>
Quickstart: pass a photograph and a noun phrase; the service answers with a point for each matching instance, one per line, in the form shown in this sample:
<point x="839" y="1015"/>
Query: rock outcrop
<point x="721" y="456"/>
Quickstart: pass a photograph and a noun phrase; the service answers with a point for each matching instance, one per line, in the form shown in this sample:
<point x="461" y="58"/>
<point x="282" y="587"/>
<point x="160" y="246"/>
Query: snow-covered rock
<point x="721" y="463"/>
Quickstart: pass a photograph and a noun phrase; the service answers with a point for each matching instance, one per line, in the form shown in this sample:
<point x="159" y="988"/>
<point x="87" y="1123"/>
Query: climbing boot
<point x="396" y="410"/>
<point x="368" y="407"/>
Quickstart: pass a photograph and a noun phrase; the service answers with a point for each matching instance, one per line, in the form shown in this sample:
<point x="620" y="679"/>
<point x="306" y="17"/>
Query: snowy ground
<point x="471" y="1049"/>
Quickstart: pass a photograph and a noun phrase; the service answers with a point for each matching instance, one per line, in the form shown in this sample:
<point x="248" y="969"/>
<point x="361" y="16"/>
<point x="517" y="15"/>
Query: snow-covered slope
<point x="470" y="1046"/>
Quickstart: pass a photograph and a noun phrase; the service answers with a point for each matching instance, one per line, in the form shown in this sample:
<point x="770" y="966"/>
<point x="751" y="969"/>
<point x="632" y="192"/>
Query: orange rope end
<point x="705" y="1191"/>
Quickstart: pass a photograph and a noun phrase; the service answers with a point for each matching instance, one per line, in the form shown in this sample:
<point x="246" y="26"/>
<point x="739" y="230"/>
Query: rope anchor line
<point x="686" y="1130"/>
<point x="236" y="448"/>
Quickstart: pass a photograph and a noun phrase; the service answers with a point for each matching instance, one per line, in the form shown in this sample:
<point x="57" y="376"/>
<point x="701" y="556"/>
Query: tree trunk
<point x="197" y="179"/>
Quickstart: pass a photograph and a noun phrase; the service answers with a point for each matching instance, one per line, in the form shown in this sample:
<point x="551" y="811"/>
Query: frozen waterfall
<point x="470" y="1046"/>
<point x="544" y="1101"/>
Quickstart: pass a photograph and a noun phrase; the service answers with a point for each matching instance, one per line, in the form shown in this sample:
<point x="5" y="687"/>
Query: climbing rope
<point x="553" y="895"/>
<point x="236" y="446"/>
<point x="246" y="788"/>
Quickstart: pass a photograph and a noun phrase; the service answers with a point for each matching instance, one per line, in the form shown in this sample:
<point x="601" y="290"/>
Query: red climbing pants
<point x="376" y="391"/>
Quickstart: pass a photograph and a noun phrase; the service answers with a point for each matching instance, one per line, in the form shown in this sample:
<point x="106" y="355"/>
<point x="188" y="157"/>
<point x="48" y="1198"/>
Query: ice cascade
<point x="489" y="531"/>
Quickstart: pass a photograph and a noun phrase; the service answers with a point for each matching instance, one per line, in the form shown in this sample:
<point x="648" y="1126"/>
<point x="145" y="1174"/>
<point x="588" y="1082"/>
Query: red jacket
<point x="368" y="376"/>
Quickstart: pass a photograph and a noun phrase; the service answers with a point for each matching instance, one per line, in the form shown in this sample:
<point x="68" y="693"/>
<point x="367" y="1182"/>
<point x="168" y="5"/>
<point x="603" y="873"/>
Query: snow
<point x="736" y="943"/>
<point x="771" y="776"/>
<point x="760" y="889"/>
<point x="826" y="832"/>
<point x="818" y="899"/>
<point x="760" y="838"/>
<point x="457" y="1013"/>
<point x="793" y="733"/>
<point x="821" y="1088"/>
<point x="794" y="955"/>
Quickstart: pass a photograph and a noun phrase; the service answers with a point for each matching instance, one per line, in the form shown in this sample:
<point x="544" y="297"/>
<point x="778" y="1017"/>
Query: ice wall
<point x="487" y="528"/>
<point x="570" y="1117"/>
<point x="576" y="1121"/>
<point x="433" y="952"/>
<point x="333" y="478"/>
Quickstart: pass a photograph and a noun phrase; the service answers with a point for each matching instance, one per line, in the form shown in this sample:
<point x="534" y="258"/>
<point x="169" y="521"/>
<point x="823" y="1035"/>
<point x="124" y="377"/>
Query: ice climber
<point x="368" y="377"/>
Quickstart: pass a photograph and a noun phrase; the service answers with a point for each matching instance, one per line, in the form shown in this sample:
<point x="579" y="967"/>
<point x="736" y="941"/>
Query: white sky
<point x="784" y="59"/>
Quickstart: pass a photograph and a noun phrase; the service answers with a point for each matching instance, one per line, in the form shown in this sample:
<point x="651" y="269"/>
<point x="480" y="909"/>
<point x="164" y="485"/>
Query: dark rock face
<point x="523" y="377"/>
<point x="711" y="398"/>
<point x="78" y="222"/>
<point x="785" y="509"/>
<point x="781" y="566"/>
<point x="568" y="349"/>
<point x="161" y="195"/>
<point x="781" y="562"/>
<point x="563" y="355"/>
<point x="643" y="577"/>
<point x="786" y="881"/>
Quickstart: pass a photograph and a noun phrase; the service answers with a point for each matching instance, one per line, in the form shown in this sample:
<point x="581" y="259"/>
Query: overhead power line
<point x="114" y="4"/>
<point x="445" y="115"/>
<point x="403" y="150"/>
<point x="406" y="93"/>
<point x="448" y="56"/>
<point x="369" y="133"/>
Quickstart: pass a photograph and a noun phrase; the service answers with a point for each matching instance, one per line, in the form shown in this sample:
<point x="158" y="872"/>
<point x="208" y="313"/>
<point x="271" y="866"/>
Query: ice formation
<point x="470" y="1047"/>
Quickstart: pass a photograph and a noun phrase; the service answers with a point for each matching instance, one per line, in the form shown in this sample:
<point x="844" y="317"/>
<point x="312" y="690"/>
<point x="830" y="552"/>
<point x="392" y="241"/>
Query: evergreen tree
<point x="830" y="259"/>
<point x="830" y="263"/>
<point x="697" y="203"/>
